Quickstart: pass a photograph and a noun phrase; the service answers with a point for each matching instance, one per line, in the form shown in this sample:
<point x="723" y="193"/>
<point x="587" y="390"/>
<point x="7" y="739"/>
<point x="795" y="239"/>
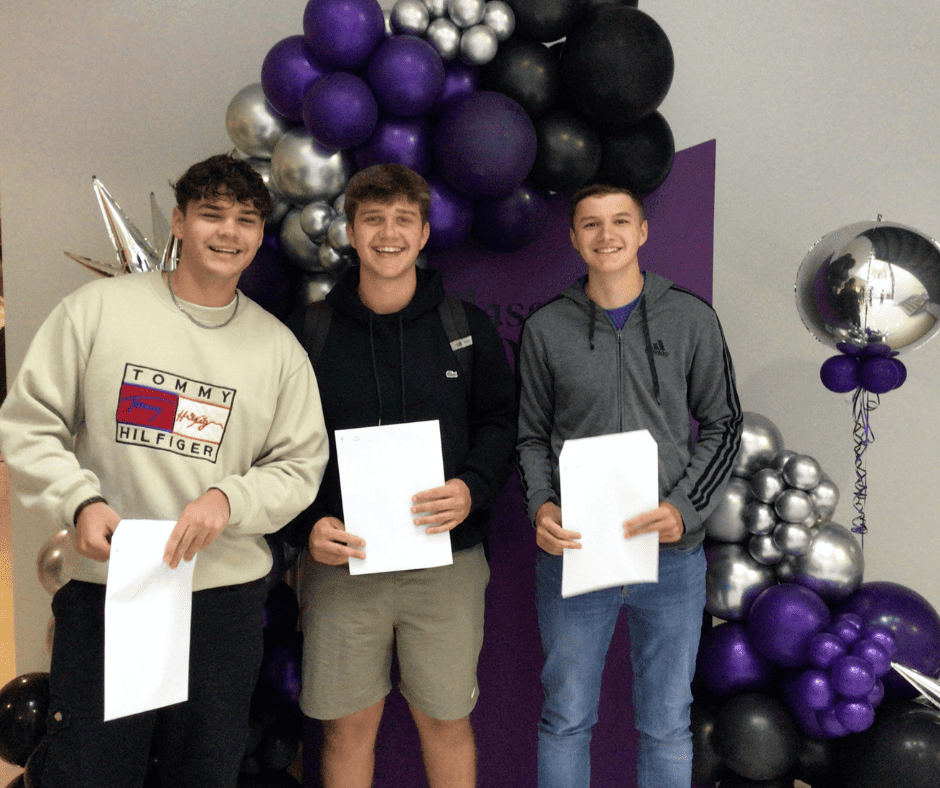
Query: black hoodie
<point x="390" y="369"/>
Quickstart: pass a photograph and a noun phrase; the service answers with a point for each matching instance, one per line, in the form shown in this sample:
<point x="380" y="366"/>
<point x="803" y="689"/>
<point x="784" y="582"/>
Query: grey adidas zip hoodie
<point x="581" y="377"/>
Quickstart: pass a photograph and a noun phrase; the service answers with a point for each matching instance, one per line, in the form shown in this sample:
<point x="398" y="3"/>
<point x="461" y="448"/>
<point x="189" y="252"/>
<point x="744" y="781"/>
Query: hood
<point x="654" y="287"/>
<point x="345" y="297"/>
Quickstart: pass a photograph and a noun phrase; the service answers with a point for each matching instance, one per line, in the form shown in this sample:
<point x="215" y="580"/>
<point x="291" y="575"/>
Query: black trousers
<point x="200" y="742"/>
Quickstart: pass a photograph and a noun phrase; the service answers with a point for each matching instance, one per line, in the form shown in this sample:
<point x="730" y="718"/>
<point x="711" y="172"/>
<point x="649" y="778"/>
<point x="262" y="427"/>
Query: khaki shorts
<point x="434" y="617"/>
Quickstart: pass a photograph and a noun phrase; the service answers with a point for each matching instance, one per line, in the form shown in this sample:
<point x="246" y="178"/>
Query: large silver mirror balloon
<point x="760" y="442"/>
<point x="733" y="581"/>
<point x="315" y="219"/>
<point x="304" y="171"/>
<point x="251" y="125"/>
<point x="50" y="563"/>
<point x="833" y="565"/>
<point x="871" y="282"/>
<point x="726" y="522"/>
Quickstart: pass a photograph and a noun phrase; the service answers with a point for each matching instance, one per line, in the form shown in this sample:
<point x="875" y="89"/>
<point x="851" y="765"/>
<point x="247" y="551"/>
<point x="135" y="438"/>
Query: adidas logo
<point x="659" y="349"/>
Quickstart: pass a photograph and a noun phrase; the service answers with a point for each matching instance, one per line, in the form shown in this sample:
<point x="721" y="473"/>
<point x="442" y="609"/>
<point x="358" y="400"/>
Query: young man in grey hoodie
<point x="623" y="350"/>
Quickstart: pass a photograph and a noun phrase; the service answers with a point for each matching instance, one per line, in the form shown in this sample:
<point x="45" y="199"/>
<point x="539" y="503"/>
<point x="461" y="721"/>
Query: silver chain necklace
<point x="191" y="319"/>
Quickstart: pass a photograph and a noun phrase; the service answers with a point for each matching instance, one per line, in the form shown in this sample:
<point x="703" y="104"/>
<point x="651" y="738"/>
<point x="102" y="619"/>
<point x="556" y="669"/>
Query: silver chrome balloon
<point x="478" y="45"/>
<point x="296" y="244"/>
<point x="315" y="219"/>
<point x="786" y="569"/>
<point x="833" y="565"/>
<point x="825" y="497"/>
<point x="409" y="17"/>
<point x="499" y="18"/>
<point x="444" y="36"/>
<point x="792" y="538"/>
<point x="767" y="484"/>
<point x="802" y="472"/>
<point x="733" y="581"/>
<point x="759" y="518"/>
<point x="251" y="125"/>
<point x="315" y="286"/>
<point x="871" y="282"/>
<point x="303" y="171"/>
<point x="466" y="13"/>
<point x="281" y="205"/>
<point x="436" y="8"/>
<point x="726" y="522"/>
<point x="330" y="259"/>
<point x="336" y="235"/>
<point x="794" y="506"/>
<point x="339" y="204"/>
<point x="778" y="463"/>
<point x="50" y="563"/>
<point x="760" y="441"/>
<point x="764" y="550"/>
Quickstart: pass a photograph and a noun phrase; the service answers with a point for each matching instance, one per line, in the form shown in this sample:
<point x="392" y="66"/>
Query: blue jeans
<point x="665" y="621"/>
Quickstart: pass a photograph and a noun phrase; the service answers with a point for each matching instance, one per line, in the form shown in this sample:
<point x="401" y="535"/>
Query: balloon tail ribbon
<point x="863" y="403"/>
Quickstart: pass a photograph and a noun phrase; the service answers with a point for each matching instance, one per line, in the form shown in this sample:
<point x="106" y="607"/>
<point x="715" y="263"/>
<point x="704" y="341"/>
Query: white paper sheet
<point x="147" y="613"/>
<point x="605" y="481"/>
<point x="380" y="468"/>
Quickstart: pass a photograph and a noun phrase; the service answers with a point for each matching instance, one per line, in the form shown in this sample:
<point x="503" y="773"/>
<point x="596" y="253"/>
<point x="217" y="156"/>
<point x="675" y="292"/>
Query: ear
<point x="177" y="222"/>
<point x="425" y="234"/>
<point x="351" y="234"/>
<point x="574" y="239"/>
<point x="644" y="232"/>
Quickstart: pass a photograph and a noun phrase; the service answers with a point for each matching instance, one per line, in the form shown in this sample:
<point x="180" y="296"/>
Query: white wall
<point x="825" y="114"/>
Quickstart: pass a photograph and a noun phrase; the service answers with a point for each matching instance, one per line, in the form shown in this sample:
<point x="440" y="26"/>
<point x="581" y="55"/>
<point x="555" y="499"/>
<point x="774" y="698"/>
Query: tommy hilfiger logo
<point x="160" y="410"/>
<point x="659" y="349"/>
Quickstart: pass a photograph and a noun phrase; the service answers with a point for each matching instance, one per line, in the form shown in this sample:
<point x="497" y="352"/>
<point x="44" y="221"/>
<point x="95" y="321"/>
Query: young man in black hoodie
<point x="387" y="359"/>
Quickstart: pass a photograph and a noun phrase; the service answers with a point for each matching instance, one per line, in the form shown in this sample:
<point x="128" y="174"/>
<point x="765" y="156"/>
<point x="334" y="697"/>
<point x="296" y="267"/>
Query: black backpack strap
<point x="454" y="318"/>
<point x="316" y="326"/>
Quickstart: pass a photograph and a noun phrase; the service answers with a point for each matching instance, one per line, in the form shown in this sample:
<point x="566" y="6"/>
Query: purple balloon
<point x="280" y="672"/>
<point x="847" y="627"/>
<point x="902" y="372"/>
<point x="340" y="111"/>
<point x="398" y="141"/>
<point x="810" y="689"/>
<point x="459" y="81"/>
<point x="878" y="374"/>
<point x="829" y="723"/>
<point x="288" y="71"/>
<point x="852" y="677"/>
<point x="877" y="693"/>
<point x="824" y="649"/>
<point x="856" y="716"/>
<point x="883" y="636"/>
<point x="876" y="349"/>
<point x="840" y="374"/>
<point x="783" y="620"/>
<point x="270" y="280"/>
<point x="342" y="34"/>
<point x="874" y="654"/>
<point x="912" y="621"/>
<point x="406" y="75"/>
<point x="511" y="222"/>
<point x="729" y="663"/>
<point x="450" y="217"/>
<point x="484" y="145"/>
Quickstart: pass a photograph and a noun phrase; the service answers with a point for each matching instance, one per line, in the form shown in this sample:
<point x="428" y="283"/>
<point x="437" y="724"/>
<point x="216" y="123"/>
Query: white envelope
<point x="605" y="481"/>
<point x="380" y="468"/>
<point x="147" y="613"/>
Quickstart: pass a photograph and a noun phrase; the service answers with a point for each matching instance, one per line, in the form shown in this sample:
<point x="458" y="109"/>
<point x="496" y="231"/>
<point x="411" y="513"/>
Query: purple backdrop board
<point x="508" y="285"/>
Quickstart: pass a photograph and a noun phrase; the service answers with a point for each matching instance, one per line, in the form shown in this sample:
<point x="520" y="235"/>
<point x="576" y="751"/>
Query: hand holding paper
<point x="664" y="520"/>
<point x="444" y="508"/>
<point x="330" y="543"/>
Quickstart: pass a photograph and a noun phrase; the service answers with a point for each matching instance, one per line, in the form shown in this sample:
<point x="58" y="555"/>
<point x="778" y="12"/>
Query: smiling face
<point x="219" y="240"/>
<point x="388" y="238"/>
<point x="608" y="231"/>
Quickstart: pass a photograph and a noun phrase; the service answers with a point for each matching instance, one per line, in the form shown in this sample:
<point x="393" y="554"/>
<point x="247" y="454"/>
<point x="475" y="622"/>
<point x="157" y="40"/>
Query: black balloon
<point x="24" y="702"/>
<point x="281" y="609"/>
<point x="732" y="780"/>
<point x="707" y="763"/>
<point x="756" y="736"/>
<point x="268" y="779"/>
<point x="525" y="71"/>
<point x="593" y="3"/>
<point x="544" y="20"/>
<point x="568" y="153"/>
<point x="279" y="748"/>
<point x="900" y="750"/>
<point x="511" y="222"/>
<point x="816" y="762"/>
<point x="617" y="66"/>
<point x="640" y="158"/>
